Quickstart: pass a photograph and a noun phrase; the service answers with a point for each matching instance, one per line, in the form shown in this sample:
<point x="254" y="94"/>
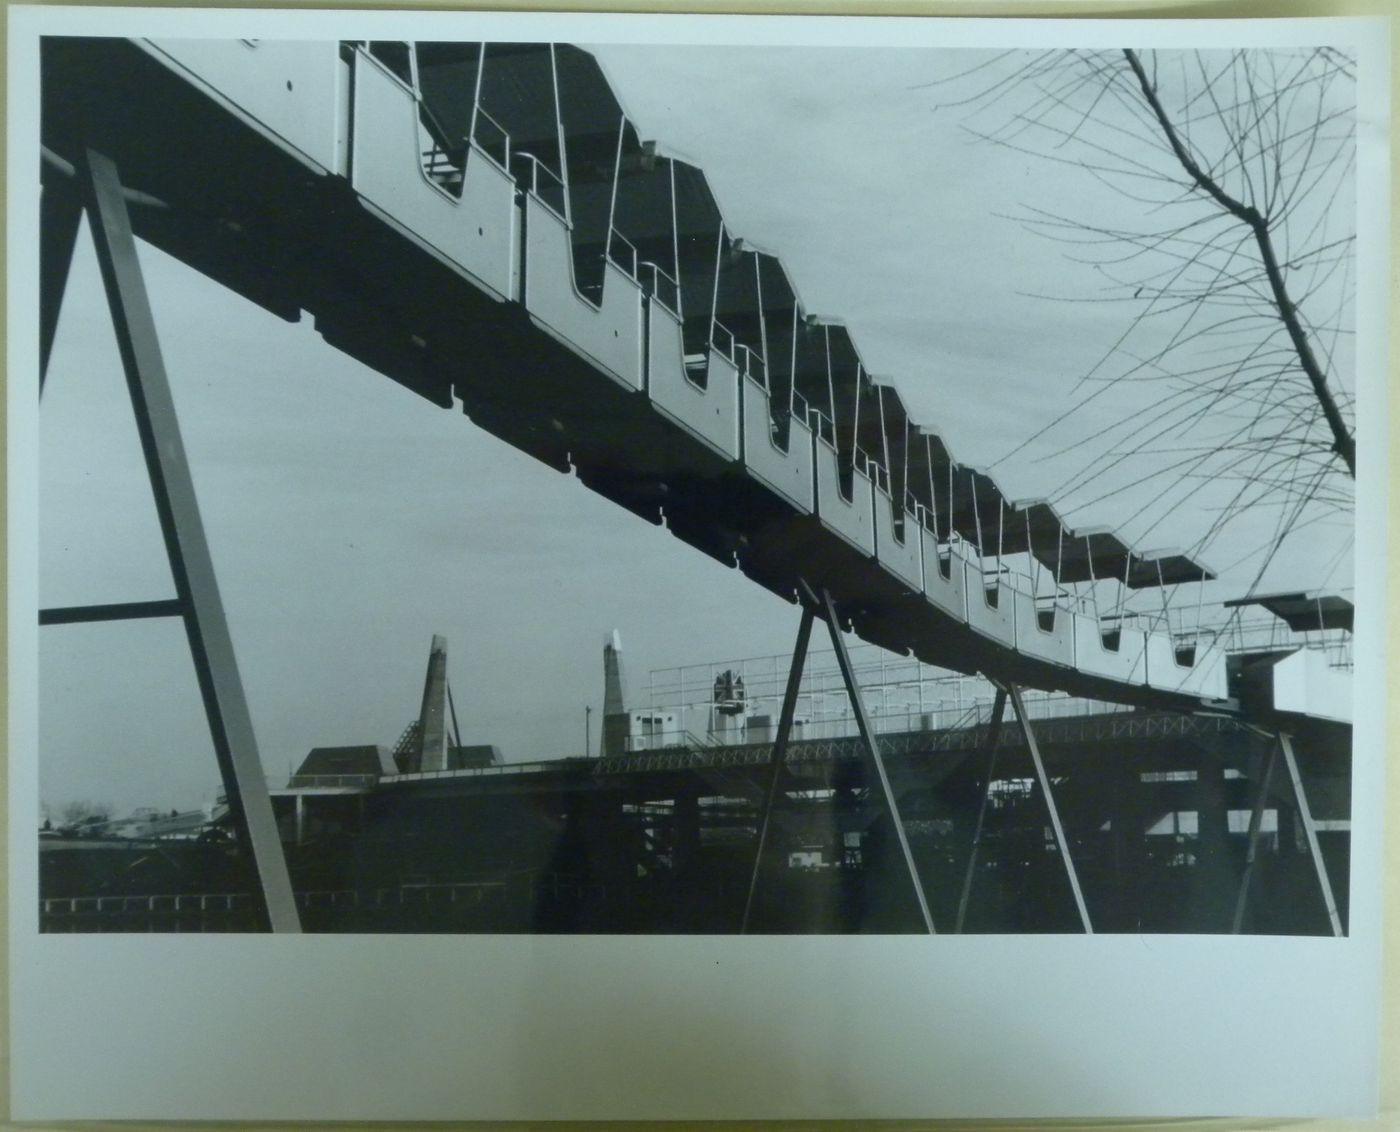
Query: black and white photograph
<point x="528" y="485"/>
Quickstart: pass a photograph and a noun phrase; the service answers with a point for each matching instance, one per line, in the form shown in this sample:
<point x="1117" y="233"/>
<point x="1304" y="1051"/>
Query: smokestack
<point x="614" y="698"/>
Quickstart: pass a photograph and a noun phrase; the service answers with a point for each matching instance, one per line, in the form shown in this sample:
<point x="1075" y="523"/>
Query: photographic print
<point x="637" y="489"/>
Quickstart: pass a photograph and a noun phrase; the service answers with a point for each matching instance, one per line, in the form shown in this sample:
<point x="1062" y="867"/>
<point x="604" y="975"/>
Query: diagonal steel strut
<point x="1256" y="823"/>
<point x="780" y="743"/>
<point x="1015" y="695"/>
<point x="1300" y="799"/>
<point x="993" y="735"/>
<point x="867" y="734"/>
<point x="191" y="565"/>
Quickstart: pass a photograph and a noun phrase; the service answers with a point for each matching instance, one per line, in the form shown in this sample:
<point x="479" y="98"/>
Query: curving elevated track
<point x="483" y="224"/>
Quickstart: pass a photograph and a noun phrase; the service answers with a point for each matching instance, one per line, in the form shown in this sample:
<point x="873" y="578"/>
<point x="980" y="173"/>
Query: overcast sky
<point x="351" y="520"/>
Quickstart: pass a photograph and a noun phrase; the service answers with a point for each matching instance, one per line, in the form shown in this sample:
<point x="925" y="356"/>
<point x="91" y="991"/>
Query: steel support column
<point x="867" y="735"/>
<point x="1020" y="708"/>
<point x="780" y="743"/>
<point x="993" y="734"/>
<point x="191" y="566"/>
<point x="1214" y="875"/>
<point x="1256" y="822"/>
<point x="1310" y="830"/>
<point x="1128" y="833"/>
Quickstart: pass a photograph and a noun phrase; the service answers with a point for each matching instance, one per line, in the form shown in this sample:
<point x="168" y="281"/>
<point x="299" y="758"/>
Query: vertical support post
<point x="191" y="565"/>
<point x="1310" y="829"/>
<point x="993" y="734"/>
<point x="780" y="742"/>
<point x="867" y="735"/>
<point x="1020" y="708"/>
<point x="60" y="213"/>
<point x="1213" y="875"/>
<point x="685" y="830"/>
<point x="1128" y="830"/>
<point x="1256" y="822"/>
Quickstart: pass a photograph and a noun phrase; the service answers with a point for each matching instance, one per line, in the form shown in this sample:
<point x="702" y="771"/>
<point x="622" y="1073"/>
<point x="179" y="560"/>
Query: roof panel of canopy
<point x="697" y="214"/>
<point x="1167" y="568"/>
<point x="1094" y="554"/>
<point x="1304" y="611"/>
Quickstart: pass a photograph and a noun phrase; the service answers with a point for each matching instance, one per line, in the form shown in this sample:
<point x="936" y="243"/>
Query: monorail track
<point x="483" y="225"/>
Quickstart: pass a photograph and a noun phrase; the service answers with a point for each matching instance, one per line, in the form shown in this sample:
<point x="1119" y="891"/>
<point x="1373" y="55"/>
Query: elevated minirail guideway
<point x="483" y="224"/>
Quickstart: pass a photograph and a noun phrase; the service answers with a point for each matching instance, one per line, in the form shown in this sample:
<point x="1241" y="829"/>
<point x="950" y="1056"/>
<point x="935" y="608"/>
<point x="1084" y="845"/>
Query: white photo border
<point x="582" y="1028"/>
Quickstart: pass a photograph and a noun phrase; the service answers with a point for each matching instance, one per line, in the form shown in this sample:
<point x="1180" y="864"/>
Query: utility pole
<point x="587" y="728"/>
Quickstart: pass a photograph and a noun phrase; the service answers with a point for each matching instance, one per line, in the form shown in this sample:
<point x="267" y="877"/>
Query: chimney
<point x="615" y="726"/>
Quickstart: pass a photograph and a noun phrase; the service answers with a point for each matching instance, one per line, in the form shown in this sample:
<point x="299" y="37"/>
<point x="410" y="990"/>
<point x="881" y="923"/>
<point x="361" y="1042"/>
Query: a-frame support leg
<point x="867" y="734"/>
<point x="197" y="594"/>
<point x="1310" y="829"/>
<point x="1256" y="822"/>
<point x="1020" y="708"/>
<point x="993" y="734"/>
<point x="780" y="742"/>
<point x="872" y="748"/>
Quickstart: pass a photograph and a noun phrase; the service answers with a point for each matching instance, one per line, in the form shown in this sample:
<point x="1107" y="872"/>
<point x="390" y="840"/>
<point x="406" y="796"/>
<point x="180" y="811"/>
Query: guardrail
<point x="722" y="340"/>
<point x="330" y="781"/>
<point x="623" y="252"/>
<point x="902" y="720"/>
<point x="541" y="766"/>
<point x="406" y="893"/>
<point x="660" y="285"/>
<point x="754" y="364"/>
<point x="494" y="141"/>
<point x="1115" y="726"/>
<point x="542" y="182"/>
<point x="167" y="903"/>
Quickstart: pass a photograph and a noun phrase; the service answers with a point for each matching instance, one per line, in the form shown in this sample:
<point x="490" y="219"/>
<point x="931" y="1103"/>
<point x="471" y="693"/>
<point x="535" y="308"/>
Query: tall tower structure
<point x="615" y="724"/>
<point x="432" y="716"/>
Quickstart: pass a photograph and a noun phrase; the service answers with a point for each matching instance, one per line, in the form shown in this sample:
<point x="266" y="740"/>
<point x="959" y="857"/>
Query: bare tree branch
<point x="1343" y="442"/>
<point x="1230" y="251"/>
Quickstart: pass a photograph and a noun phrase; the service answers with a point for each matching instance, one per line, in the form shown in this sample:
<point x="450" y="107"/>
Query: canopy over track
<point x="1303" y="612"/>
<point x="483" y="224"/>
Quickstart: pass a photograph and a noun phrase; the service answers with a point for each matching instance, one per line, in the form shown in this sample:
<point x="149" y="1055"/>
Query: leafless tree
<point x="1228" y="243"/>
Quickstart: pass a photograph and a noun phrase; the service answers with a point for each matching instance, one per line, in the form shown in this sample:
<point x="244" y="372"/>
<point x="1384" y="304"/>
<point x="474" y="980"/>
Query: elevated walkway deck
<point x="582" y="298"/>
